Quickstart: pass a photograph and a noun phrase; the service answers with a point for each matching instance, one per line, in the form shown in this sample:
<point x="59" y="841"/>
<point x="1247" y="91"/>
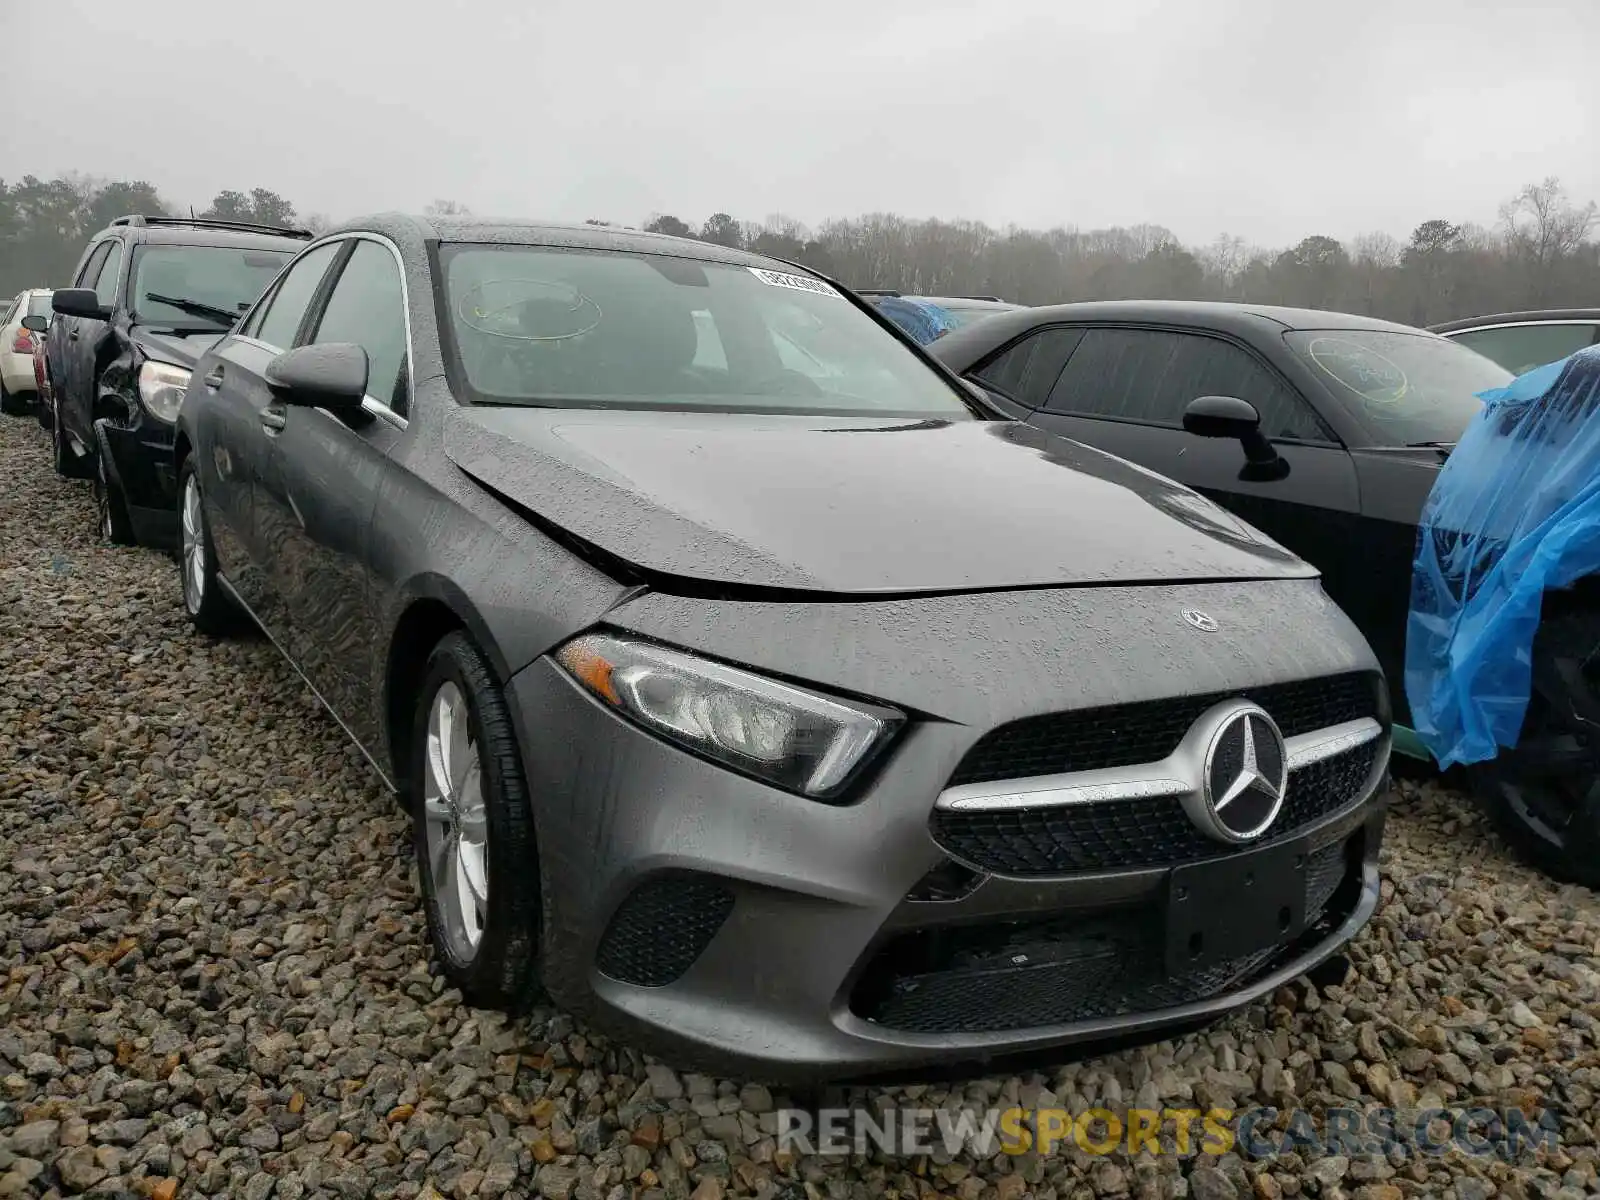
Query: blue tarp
<point x="922" y="319"/>
<point x="1515" y="512"/>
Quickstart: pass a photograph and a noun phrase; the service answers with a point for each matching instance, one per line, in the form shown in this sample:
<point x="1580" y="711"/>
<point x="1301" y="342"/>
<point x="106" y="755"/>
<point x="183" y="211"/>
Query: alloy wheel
<point x="457" y="823"/>
<point x="194" y="547"/>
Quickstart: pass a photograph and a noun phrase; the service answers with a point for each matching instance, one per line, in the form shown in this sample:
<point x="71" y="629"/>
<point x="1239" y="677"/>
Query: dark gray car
<point x="754" y="689"/>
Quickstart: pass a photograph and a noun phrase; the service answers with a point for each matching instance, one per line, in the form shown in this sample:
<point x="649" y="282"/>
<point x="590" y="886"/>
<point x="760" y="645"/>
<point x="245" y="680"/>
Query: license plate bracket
<point x="1232" y="907"/>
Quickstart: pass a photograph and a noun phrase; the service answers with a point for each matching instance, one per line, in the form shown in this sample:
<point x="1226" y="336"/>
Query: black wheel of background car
<point x="1544" y="795"/>
<point x="111" y="508"/>
<point x="208" y="606"/>
<point x="12" y="404"/>
<point x="472" y="826"/>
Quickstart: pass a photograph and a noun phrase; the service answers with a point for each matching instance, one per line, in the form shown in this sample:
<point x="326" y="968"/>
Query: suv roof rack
<point x="143" y="220"/>
<point x="876" y="292"/>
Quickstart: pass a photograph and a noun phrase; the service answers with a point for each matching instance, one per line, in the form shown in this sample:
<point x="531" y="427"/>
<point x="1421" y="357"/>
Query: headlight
<point x="795" y="738"/>
<point x="161" y="388"/>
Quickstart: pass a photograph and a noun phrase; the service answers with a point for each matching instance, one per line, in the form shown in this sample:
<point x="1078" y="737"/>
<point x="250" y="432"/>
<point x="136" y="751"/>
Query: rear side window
<point x="366" y="308"/>
<point x="1521" y="348"/>
<point x="277" y="321"/>
<point x="1028" y="370"/>
<point x="105" y="287"/>
<point x="1152" y="375"/>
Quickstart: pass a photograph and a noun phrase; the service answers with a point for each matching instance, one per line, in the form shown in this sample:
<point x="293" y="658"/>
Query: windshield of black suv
<point x="604" y="328"/>
<point x="1407" y="389"/>
<point x="226" y="279"/>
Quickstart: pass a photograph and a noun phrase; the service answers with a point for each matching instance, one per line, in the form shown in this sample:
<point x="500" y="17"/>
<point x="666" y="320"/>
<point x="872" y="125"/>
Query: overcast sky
<point x="1264" y="118"/>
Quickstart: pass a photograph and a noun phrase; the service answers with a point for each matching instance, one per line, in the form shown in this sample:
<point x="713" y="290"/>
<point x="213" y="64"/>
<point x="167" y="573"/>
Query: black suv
<point x="150" y="295"/>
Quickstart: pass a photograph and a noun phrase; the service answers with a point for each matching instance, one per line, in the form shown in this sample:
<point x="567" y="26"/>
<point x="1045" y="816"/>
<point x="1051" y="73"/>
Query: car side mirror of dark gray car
<point x="1231" y="417"/>
<point x="79" y="302"/>
<point x="35" y="323"/>
<point x="332" y="375"/>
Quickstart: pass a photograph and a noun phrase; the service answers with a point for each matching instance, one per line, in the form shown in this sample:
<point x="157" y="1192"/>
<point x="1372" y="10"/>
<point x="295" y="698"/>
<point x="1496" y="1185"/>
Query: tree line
<point x="1540" y="253"/>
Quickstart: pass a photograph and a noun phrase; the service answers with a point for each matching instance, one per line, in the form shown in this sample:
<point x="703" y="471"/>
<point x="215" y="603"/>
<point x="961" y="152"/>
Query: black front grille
<point x="1117" y="835"/>
<point x="662" y="927"/>
<point x="1071" y="968"/>
<point x="1119" y="735"/>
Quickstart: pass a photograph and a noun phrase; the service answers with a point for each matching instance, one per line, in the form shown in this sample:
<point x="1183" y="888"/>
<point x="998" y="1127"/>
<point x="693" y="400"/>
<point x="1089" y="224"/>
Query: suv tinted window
<point x="366" y="308"/>
<point x="1028" y="370"/>
<point x="277" y="321"/>
<point x="1152" y="375"/>
<point x="1520" y="348"/>
<point x="91" y="265"/>
<point x="105" y="286"/>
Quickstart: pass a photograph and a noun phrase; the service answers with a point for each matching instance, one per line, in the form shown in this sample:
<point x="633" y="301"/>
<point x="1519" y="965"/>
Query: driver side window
<point x="366" y="308"/>
<point x="278" y="320"/>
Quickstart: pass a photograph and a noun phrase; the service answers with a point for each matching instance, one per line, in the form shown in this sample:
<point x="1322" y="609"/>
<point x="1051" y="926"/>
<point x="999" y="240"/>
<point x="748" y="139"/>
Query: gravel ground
<point x="213" y="978"/>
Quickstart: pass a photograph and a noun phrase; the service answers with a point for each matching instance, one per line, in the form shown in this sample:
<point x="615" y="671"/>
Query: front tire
<point x="210" y="609"/>
<point x="472" y="825"/>
<point x="1543" y="795"/>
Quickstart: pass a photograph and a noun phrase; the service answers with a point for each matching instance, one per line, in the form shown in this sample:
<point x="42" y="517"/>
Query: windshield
<point x="225" y="278"/>
<point x="1406" y="388"/>
<point x="599" y="328"/>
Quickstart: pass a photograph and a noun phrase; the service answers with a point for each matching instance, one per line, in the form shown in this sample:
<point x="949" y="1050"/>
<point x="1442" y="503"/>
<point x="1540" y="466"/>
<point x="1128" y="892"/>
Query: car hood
<point x="183" y="349"/>
<point x="851" y="505"/>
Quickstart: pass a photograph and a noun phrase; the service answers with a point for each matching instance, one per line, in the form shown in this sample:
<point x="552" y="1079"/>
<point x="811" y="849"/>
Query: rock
<point x="36" y="1139"/>
<point x="556" y="1182"/>
<point x="80" y="1169"/>
<point x="1208" y="1183"/>
<point x="1522" y="1016"/>
<point x="664" y="1083"/>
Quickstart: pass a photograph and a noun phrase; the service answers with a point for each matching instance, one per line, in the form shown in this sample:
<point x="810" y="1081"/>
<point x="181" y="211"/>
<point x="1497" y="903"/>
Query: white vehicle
<point x="18" y="390"/>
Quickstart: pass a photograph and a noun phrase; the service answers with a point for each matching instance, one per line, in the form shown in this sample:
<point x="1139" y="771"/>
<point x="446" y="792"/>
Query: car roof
<point x="1216" y="313"/>
<point x="198" y="235"/>
<point x="404" y="226"/>
<point x="962" y="347"/>
<point x="972" y="302"/>
<point x="1528" y="317"/>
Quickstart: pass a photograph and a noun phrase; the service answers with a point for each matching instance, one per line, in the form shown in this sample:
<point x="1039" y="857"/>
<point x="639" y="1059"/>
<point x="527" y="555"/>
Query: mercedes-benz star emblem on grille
<point x="1245" y="774"/>
<point x="1204" y="622"/>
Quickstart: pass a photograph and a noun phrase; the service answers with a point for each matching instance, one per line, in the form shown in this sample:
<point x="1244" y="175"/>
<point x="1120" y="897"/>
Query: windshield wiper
<point x="1431" y="445"/>
<point x="199" y="307"/>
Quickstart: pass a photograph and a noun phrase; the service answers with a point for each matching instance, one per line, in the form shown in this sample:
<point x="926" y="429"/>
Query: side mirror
<point x="36" y="323"/>
<point x="1231" y="417"/>
<point x="332" y="376"/>
<point x="79" y="302"/>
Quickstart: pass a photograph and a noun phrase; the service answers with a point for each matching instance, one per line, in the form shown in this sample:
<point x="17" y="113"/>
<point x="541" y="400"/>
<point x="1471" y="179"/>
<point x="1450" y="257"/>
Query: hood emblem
<point x="1245" y="775"/>
<point x="1204" y="622"/>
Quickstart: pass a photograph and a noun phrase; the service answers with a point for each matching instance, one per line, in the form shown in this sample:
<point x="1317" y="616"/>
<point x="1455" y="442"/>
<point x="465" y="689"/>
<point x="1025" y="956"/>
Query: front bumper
<point x="746" y="931"/>
<point x="139" y="461"/>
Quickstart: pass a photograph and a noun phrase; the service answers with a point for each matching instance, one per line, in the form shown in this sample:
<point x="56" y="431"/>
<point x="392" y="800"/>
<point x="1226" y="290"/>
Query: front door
<point x="320" y="486"/>
<point x="235" y="440"/>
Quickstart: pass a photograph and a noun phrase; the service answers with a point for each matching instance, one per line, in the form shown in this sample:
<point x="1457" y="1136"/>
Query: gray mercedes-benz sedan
<point x="756" y="690"/>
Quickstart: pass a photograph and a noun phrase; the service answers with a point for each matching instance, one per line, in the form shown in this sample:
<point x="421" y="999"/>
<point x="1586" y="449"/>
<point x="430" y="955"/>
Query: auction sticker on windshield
<point x="1360" y="368"/>
<point x="798" y="283"/>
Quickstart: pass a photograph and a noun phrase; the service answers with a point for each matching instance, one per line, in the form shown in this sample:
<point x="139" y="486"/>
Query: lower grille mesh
<point x="662" y="927"/>
<point x="1073" y="968"/>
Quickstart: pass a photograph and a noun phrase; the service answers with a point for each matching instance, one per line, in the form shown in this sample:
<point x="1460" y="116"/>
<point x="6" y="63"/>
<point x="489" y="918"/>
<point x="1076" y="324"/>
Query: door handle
<point x="73" y="336"/>
<point x="273" y="420"/>
<point x="213" y="380"/>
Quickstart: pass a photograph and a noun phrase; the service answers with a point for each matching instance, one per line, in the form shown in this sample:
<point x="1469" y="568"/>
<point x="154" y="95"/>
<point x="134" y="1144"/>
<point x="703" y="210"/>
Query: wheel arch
<point x="432" y="606"/>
